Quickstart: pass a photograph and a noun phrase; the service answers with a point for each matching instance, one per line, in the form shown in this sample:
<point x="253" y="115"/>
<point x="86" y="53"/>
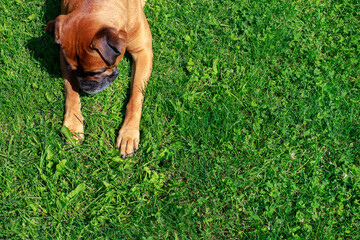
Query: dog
<point x="93" y="36"/>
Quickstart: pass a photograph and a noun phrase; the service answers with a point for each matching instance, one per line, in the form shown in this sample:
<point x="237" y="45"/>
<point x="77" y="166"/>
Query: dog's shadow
<point x="45" y="52"/>
<point x="42" y="48"/>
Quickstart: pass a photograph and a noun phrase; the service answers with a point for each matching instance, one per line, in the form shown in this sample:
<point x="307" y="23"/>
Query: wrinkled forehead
<point x="78" y="54"/>
<point x="91" y="61"/>
<point x="85" y="59"/>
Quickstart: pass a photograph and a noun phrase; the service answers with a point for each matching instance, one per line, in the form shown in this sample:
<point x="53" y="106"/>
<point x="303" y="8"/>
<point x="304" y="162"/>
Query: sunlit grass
<point x="250" y="128"/>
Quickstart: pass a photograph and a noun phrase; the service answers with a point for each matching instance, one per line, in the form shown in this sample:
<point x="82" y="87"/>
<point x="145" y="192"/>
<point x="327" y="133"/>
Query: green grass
<point x="250" y="127"/>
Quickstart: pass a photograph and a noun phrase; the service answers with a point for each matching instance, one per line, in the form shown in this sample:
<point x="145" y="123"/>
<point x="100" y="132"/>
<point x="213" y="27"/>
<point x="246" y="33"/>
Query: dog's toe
<point x="128" y="142"/>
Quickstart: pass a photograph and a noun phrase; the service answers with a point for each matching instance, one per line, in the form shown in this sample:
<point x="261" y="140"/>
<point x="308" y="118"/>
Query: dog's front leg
<point x="73" y="119"/>
<point x="129" y="134"/>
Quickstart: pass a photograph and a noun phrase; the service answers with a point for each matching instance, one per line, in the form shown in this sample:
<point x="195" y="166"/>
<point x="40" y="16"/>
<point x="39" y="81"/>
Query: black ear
<point x="53" y="27"/>
<point x="108" y="43"/>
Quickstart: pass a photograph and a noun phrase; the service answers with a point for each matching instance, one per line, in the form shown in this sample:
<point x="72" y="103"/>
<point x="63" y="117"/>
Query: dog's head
<point x="90" y="50"/>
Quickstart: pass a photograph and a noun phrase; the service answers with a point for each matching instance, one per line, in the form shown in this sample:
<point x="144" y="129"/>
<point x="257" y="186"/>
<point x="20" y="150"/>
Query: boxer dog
<point x="93" y="36"/>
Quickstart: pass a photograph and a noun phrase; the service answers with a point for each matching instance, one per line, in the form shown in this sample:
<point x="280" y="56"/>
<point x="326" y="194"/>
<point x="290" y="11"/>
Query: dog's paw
<point x="128" y="141"/>
<point x="73" y="128"/>
<point x="73" y="136"/>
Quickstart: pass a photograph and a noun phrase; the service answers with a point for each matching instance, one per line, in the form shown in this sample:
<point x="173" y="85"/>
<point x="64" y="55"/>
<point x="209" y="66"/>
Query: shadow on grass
<point x="43" y="48"/>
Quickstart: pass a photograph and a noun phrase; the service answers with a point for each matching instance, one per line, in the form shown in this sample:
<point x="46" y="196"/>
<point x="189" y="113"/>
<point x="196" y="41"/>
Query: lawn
<point x="250" y="127"/>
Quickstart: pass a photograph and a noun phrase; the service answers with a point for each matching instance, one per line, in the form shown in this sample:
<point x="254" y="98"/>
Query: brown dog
<point x="93" y="37"/>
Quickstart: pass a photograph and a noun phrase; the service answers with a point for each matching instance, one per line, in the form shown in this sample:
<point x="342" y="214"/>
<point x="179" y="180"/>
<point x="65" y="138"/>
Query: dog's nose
<point x="87" y="85"/>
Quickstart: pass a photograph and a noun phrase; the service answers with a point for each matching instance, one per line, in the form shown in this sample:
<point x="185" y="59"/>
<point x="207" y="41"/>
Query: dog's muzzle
<point x="92" y="87"/>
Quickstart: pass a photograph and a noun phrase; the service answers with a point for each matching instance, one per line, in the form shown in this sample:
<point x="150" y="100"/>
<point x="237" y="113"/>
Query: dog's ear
<point x="53" y="27"/>
<point x="108" y="43"/>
